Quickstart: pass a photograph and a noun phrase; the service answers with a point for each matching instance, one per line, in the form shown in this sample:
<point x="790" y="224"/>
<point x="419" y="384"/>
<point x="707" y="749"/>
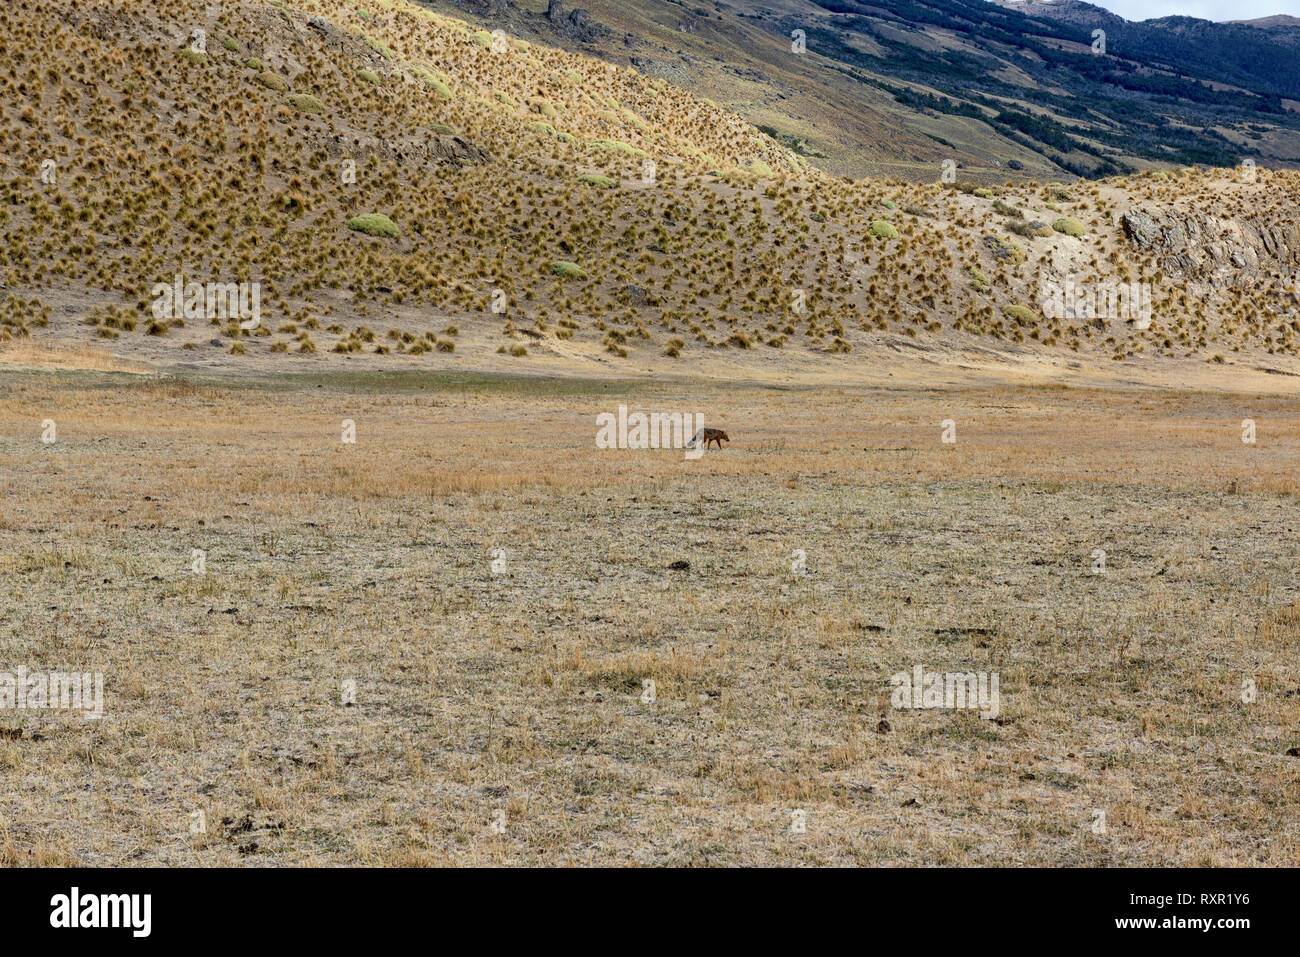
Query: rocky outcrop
<point x="1195" y="243"/>
<point x="576" y="24"/>
<point x="489" y="8"/>
<point x="343" y="41"/>
<point x="437" y="149"/>
<point x="450" y="148"/>
<point x="1140" y="228"/>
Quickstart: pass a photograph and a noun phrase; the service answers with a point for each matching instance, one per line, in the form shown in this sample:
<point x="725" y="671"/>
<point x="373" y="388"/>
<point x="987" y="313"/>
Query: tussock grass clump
<point x="378" y="46"/>
<point x="432" y="80"/>
<point x="1022" y="314"/>
<point x="618" y="146"/>
<point x="1070" y="227"/>
<point x="595" y="179"/>
<point x="567" y="270"/>
<point x="1005" y="249"/>
<point x="374" y="224"/>
<point x="273" y="81"/>
<point x="306" y="103"/>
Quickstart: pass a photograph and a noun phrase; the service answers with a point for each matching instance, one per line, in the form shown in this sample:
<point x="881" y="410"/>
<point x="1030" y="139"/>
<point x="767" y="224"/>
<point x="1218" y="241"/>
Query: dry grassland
<point x="522" y="692"/>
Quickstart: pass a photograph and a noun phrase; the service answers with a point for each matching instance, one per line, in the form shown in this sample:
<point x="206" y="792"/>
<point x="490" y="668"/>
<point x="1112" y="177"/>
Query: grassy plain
<point x="522" y="691"/>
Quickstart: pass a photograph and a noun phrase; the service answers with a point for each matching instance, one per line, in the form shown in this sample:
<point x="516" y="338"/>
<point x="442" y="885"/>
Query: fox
<point x="709" y="435"/>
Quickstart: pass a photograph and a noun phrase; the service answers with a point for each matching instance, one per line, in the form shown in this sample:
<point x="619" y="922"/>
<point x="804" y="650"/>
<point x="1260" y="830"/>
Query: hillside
<point x="892" y="89"/>
<point x="410" y="192"/>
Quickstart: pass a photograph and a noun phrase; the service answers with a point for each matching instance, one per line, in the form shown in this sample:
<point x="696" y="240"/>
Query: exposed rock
<point x="439" y="148"/>
<point x="1193" y="243"/>
<point x="345" y="42"/>
<point x="491" y="8"/>
<point x="1140" y="228"/>
<point x="576" y="23"/>
<point x="450" y="148"/>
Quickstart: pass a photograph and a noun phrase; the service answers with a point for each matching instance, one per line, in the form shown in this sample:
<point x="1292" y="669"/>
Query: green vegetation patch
<point x="617" y="146"/>
<point x="378" y="46"/>
<point x="306" y="103"/>
<point x="432" y="80"/>
<point x="273" y="81"/>
<point x="1022" y="314"/>
<point x="1070" y="226"/>
<point x="567" y="270"/>
<point x="374" y="224"/>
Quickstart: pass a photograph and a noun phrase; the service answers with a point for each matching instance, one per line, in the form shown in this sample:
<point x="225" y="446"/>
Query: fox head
<point x="726" y="437"/>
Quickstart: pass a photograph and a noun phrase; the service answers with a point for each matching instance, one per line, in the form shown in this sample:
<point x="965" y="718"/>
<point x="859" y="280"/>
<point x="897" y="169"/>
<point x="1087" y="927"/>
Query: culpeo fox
<point x="709" y="435"/>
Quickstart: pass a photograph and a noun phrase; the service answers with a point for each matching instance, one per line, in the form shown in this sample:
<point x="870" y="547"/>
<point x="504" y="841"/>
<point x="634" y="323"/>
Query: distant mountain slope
<point x="894" y="88"/>
<point x="1280" y="20"/>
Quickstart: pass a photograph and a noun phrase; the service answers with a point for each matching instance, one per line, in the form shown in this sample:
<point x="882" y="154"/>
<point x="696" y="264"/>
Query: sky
<point x="1205" y="9"/>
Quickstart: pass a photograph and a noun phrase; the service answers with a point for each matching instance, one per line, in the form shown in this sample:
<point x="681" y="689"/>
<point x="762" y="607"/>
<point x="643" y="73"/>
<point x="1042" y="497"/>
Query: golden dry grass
<point x="51" y="356"/>
<point x="522" y="692"/>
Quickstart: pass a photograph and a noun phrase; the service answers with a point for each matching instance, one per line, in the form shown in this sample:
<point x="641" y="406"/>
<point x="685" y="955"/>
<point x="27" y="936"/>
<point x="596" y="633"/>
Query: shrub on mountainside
<point x="1022" y="314"/>
<point x="374" y="224"/>
<point x="1069" y="226"/>
<point x="306" y="103"/>
<point x="567" y="270"/>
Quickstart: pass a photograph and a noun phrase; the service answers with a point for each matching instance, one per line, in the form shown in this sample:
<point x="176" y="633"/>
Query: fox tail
<point x="698" y="435"/>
